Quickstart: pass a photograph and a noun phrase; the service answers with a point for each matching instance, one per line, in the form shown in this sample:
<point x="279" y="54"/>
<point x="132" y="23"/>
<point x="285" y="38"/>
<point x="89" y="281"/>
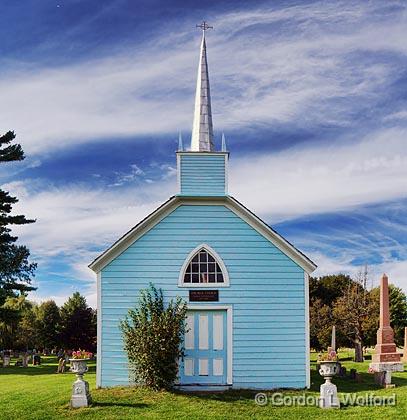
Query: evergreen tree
<point x="15" y="269"/>
<point x="78" y="324"/>
<point x="48" y="322"/>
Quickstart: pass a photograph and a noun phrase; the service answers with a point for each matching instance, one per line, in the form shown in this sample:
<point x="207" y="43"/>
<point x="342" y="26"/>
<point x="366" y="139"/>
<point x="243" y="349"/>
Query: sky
<point x="311" y="96"/>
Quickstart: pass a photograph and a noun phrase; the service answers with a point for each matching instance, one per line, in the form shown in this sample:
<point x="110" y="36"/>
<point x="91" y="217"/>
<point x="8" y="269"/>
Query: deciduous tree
<point x="353" y="312"/>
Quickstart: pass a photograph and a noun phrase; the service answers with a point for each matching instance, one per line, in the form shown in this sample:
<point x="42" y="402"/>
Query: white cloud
<point x="60" y="299"/>
<point x="397" y="116"/>
<point x="260" y="75"/>
<point x="39" y="298"/>
<point x="395" y="270"/>
<point x="317" y="179"/>
<point x="289" y="184"/>
<point x="73" y="218"/>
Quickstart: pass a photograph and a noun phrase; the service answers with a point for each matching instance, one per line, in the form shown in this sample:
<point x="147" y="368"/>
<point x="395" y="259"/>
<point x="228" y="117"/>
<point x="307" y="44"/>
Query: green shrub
<point x="153" y="337"/>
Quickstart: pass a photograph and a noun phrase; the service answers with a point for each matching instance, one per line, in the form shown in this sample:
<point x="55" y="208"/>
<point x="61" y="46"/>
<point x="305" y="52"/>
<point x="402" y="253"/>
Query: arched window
<point x="203" y="267"/>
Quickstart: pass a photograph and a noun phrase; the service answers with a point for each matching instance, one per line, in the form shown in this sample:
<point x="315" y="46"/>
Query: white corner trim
<point x="230" y="344"/>
<point x="99" y="331"/>
<point x="218" y="259"/>
<point x="229" y="323"/>
<point x="179" y="173"/>
<point x="227" y="174"/>
<point x="307" y="332"/>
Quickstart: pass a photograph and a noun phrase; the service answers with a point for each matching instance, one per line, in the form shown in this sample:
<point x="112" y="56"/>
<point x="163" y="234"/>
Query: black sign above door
<point x="204" y="295"/>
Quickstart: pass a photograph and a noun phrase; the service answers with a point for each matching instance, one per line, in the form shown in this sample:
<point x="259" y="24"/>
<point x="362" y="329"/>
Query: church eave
<point x="171" y="204"/>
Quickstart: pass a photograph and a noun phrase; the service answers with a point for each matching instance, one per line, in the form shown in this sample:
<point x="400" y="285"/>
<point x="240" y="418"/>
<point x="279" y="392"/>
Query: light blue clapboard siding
<point x="203" y="174"/>
<point x="266" y="292"/>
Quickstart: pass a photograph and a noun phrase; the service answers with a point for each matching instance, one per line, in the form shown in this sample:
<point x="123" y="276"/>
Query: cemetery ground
<point x="37" y="392"/>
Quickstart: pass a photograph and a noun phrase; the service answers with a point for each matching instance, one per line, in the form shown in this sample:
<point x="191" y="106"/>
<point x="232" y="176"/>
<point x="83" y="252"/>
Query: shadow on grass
<point x="348" y="385"/>
<point x="229" y="396"/>
<point x="345" y="386"/>
<point x="49" y="367"/>
<point x="119" y="404"/>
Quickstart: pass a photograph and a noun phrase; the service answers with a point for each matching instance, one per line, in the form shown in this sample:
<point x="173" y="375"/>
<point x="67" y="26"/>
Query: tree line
<point x="47" y="326"/>
<point x="24" y="324"/>
<point x="354" y="309"/>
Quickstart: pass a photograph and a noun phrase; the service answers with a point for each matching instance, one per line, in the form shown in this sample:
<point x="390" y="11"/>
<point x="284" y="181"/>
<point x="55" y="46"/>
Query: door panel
<point x="205" y="359"/>
<point x="189" y="367"/>
<point x="218" y="367"/>
<point x="217" y="331"/>
<point x="203" y="332"/>
<point x="203" y="367"/>
<point x="189" y="335"/>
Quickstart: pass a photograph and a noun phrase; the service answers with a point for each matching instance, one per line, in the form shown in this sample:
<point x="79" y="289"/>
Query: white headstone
<point x="333" y="338"/>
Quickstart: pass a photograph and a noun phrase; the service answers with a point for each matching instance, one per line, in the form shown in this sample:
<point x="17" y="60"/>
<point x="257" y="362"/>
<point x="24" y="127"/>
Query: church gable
<point x="170" y="242"/>
<point x="233" y="222"/>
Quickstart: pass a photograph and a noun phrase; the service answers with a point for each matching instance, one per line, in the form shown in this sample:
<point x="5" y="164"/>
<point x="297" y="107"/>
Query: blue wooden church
<point x="246" y="286"/>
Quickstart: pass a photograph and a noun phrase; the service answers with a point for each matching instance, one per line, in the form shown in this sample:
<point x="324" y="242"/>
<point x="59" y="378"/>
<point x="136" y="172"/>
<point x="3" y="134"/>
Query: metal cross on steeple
<point x="204" y="26"/>
<point x="202" y="129"/>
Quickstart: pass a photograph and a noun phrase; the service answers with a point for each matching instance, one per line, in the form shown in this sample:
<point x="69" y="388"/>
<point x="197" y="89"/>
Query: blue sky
<point x="311" y="96"/>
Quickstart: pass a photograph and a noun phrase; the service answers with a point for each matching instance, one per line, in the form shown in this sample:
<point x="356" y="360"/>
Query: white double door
<point x="205" y="360"/>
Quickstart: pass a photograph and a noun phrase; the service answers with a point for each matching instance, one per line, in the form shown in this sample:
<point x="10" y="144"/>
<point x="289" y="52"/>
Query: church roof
<point x="231" y="203"/>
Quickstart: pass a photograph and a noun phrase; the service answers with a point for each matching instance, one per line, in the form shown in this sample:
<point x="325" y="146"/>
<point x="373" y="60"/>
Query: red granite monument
<point x="404" y="358"/>
<point x="385" y="350"/>
<point x="385" y="358"/>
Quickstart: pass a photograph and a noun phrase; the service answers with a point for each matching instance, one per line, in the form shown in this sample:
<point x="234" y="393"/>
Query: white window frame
<point x="218" y="259"/>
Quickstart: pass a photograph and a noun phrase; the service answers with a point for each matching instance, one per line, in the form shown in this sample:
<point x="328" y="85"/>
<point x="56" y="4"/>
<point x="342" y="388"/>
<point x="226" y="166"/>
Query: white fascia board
<point x="265" y="230"/>
<point x="132" y="235"/>
<point x="150" y="221"/>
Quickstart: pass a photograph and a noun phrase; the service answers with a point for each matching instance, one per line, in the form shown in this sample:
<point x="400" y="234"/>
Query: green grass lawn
<point x="37" y="392"/>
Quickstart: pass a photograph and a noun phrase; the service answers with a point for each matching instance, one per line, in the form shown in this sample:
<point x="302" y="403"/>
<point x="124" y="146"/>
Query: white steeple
<point x="202" y="129"/>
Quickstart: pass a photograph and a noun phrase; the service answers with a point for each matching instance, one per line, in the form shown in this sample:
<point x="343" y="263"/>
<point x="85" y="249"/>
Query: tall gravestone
<point x="333" y="338"/>
<point x="6" y="361"/>
<point x="404" y="358"/>
<point x="25" y="358"/>
<point x="385" y="359"/>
